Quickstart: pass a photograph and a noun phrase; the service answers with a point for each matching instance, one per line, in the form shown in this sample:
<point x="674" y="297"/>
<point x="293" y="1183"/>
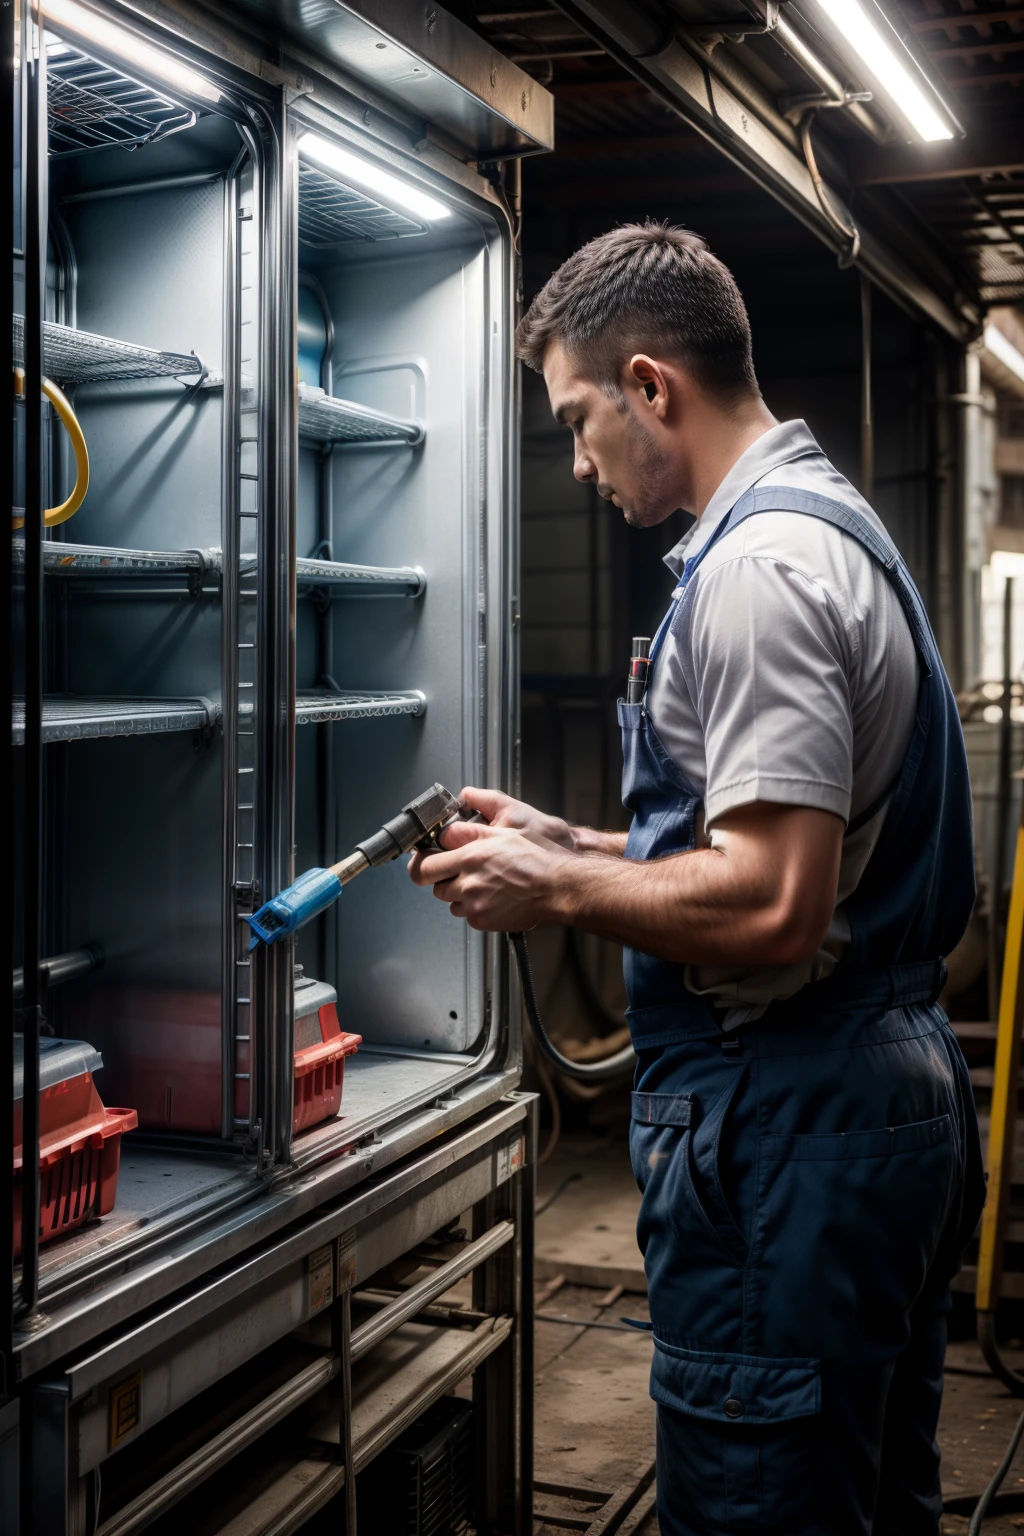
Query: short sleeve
<point x="771" y="663"/>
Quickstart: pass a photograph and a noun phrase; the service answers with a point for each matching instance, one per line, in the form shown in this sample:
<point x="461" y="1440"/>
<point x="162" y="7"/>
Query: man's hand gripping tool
<point x="415" y="826"/>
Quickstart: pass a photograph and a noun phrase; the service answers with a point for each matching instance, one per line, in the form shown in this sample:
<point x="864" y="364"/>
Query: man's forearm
<point x="686" y="908"/>
<point x="731" y="904"/>
<point x="590" y="840"/>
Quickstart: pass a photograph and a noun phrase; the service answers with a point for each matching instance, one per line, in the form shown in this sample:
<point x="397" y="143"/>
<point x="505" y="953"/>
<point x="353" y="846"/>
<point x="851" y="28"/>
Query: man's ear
<point x="653" y="381"/>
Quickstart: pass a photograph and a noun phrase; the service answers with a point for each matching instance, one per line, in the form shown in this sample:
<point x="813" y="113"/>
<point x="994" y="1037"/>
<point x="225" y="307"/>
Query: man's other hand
<point x="502" y="811"/>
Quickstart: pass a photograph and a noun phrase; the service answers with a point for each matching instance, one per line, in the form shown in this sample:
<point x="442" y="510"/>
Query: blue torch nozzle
<point x="285" y="913"/>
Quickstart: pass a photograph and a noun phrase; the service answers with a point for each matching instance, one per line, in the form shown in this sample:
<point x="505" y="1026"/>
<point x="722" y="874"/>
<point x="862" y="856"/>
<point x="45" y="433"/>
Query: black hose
<point x="549" y="1200"/>
<point x="985" y="1501"/>
<point x="616" y="1065"/>
<point x="1000" y="1368"/>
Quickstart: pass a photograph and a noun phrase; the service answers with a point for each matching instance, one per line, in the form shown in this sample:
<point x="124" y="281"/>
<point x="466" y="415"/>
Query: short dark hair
<point x="644" y="287"/>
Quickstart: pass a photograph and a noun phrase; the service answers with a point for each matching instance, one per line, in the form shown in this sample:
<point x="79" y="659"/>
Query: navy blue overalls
<point x="809" y="1182"/>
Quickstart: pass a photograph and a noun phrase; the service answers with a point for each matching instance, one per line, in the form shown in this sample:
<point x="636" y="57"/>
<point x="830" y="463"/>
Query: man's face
<point x="615" y="448"/>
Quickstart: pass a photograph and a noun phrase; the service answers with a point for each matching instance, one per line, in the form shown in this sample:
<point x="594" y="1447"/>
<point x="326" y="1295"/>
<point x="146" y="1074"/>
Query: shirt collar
<point x="779" y="445"/>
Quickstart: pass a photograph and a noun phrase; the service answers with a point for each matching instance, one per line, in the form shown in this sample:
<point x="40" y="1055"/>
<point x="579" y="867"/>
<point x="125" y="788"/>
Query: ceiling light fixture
<point x="134" y="50"/>
<point x="1003" y="350"/>
<point x="353" y="168"/>
<point x="881" y="58"/>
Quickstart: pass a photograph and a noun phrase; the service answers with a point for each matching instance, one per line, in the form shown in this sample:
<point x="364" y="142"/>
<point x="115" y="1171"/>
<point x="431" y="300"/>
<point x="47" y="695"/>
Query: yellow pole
<point x="1003" y="1121"/>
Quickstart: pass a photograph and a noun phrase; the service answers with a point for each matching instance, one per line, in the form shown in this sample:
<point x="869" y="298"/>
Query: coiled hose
<point x="603" y="1071"/>
<point x="62" y="405"/>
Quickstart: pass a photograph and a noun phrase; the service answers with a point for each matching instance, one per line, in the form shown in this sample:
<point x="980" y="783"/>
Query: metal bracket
<point x="204" y="734"/>
<point x="192" y="389"/>
<point x="197" y="577"/>
<point x="794" y="108"/>
<point x="734" y="30"/>
<point x="294" y="86"/>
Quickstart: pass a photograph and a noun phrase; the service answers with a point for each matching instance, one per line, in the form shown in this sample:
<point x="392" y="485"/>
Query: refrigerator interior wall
<point x="139" y="841"/>
<point x="407" y="316"/>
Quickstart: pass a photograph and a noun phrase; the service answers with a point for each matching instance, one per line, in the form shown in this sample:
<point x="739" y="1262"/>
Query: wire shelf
<point x="327" y="419"/>
<point x="91" y="106"/>
<point x="69" y="718"/>
<point x="330" y="214"/>
<point x="408" y="579"/>
<point x="81" y="357"/>
<point x="99" y="560"/>
<point x="320" y="705"/>
<point x="107" y="562"/>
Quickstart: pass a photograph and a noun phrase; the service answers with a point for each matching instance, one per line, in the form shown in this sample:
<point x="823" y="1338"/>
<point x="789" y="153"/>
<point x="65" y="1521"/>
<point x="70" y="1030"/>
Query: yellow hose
<point x="62" y="405"/>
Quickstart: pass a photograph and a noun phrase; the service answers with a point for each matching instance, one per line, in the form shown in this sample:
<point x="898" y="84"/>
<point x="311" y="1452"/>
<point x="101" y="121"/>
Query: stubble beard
<point x="649" y="472"/>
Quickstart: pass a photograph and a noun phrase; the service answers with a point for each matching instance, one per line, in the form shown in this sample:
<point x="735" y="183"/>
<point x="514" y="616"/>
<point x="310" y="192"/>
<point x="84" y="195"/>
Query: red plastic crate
<point x="163" y="1049"/>
<point x="320" y="1072"/>
<point x="79" y="1155"/>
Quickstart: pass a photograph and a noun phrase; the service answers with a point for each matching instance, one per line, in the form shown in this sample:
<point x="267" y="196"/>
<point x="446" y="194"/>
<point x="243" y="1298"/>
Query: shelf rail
<point x="357" y="704"/>
<point x="102" y="562"/>
<point x="73" y="718"/>
<point x="411" y="1302"/>
<point x="327" y="419"/>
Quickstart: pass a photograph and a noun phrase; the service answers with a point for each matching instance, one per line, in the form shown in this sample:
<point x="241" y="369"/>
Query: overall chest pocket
<point x="675" y="1147"/>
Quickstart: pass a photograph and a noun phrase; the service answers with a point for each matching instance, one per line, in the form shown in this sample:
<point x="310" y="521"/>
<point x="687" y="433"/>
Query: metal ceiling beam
<point x="629" y="144"/>
<point x="997" y="47"/>
<point x="750" y="131"/>
<point x="966" y="19"/>
<point x="979" y="154"/>
<point x="983" y="77"/>
<point x="627" y="191"/>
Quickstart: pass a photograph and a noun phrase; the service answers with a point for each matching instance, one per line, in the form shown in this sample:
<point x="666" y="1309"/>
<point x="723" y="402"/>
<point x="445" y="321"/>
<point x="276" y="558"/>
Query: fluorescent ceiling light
<point x="1003" y="349"/>
<point x="130" y="47"/>
<point x="1007" y="565"/>
<point x="884" y="63"/>
<point x="364" y="174"/>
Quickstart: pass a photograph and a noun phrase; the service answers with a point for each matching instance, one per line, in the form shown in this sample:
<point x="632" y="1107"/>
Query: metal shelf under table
<point x="69" y="717"/>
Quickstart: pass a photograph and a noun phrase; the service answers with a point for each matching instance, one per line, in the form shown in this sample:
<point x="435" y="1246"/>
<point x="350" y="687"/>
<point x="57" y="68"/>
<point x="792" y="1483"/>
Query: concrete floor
<point x="595" y="1421"/>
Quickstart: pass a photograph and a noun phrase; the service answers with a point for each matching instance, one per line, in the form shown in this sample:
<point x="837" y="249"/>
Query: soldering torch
<point x="416" y="826"/>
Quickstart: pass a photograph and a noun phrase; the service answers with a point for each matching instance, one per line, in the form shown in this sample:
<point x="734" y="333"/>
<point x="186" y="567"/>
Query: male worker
<point x="799" y="861"/>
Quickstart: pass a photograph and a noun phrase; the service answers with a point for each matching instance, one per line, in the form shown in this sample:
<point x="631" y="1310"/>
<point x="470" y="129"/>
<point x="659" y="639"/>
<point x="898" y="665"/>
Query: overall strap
<point x="785" y="498"/>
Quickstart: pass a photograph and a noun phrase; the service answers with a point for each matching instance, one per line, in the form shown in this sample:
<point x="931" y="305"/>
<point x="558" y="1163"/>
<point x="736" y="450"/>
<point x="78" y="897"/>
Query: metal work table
<point x="260" y="1334"/>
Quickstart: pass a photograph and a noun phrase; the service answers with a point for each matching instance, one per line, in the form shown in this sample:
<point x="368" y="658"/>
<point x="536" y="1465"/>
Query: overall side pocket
<point x="851" y="1222"/>
<point x="675" y="1148"/>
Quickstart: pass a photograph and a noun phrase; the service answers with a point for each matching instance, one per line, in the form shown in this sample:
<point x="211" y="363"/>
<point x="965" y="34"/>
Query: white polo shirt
<point x="794" y="681"/>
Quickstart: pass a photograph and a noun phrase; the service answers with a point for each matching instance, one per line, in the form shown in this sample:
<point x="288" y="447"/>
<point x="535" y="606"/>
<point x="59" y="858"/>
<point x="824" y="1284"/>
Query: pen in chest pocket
<point x="640" y="660"/>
